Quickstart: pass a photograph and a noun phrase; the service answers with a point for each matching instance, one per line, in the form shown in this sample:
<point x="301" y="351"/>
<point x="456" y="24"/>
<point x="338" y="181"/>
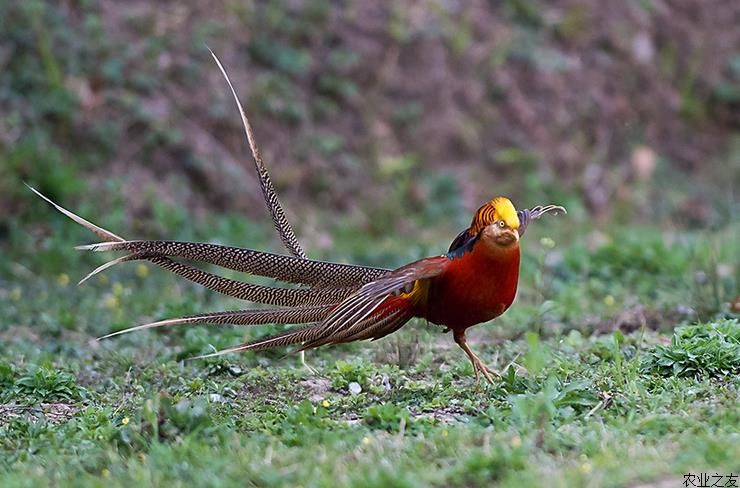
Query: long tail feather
<point x="109" y="264"/>
<point x="311" y="336"/>
<point x="229" y="287"/>
<point x="284" y="297"/>
<point x="238" y="317"/>
<point x="281" y="267"/>
<point x="98" y="231"/>
<point x="375" y="326"/>
<point x="279" y="220"/>
<point x="286" y="338"/>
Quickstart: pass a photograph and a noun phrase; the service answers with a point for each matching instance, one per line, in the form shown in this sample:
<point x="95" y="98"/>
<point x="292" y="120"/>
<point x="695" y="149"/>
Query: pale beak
<point x="508" y="237"/>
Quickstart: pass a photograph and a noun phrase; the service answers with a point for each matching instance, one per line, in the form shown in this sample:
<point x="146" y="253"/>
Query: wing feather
<point x="384" y="293"/>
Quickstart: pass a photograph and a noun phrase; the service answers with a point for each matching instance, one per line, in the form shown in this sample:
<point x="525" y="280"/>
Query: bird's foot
<point x="478" y="365"/>
<point x="488" y="373"/>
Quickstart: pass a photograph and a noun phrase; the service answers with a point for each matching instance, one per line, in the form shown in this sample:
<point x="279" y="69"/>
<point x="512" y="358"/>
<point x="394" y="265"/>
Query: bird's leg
<point x="478" y="365"/>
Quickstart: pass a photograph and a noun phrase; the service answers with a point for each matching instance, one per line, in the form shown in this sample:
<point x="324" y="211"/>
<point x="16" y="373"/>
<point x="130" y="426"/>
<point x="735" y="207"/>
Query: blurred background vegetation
<point x="367" y="109"/>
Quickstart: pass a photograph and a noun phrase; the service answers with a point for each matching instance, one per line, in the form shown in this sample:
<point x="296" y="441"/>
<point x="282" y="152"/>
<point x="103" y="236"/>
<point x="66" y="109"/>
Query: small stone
<point x="643" y="49"/>
<point x="216" y="398"/>
<point x="685" y="310"/>
<point x="355" y="388"/>
<point x="263" y="361"/>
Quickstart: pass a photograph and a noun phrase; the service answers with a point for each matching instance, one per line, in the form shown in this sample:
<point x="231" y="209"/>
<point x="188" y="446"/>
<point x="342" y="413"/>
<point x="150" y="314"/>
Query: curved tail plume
<point x="289" y="269"/>
<point x="279" y="220"/>
<point x="233" y="288"/>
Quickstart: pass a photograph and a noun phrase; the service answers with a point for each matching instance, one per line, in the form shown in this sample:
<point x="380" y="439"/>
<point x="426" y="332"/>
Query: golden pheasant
<point x="474" y="282"/>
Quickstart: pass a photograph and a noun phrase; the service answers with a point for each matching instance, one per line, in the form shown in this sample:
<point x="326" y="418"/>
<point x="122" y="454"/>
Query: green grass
<point x="598" y="388"/>
<point x="703" y="349"/>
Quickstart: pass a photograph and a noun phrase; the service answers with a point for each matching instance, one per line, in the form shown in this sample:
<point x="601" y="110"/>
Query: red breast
<point x="475" y="288"/>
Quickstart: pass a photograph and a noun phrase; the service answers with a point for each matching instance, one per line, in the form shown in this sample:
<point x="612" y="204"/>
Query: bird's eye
<point x="501" y="223"/>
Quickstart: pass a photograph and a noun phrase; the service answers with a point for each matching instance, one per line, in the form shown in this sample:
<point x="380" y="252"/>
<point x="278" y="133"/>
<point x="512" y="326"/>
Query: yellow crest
<point x="499" y="208"/>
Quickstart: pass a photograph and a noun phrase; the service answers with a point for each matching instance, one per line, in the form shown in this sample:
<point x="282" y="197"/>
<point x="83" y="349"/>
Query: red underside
<point x="474" y="288"/>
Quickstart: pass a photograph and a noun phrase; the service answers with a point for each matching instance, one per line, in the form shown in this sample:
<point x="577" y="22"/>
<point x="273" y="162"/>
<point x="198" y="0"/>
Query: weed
<point x="40" y="384"/>
<point x="702" y="349"/>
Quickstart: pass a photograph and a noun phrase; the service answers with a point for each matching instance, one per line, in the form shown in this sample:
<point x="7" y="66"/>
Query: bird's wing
<point x="375" y="310"/>
<point x="395" y="293"/>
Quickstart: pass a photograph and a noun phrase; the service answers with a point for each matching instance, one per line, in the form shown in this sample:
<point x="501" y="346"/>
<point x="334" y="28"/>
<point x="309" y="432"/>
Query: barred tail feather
<point x="229" y="287"/>
<point x="393" y="315"/>
<point x="286" y="338"/>
<point x="284" y="297"/>
<point x="239" y="317"/>
<point x="279" y="220"/>
<point x="268" y="295"/>
<point x="281" y="267"/>
<point x="109" y="264"/>
<point x="98" y="231"/>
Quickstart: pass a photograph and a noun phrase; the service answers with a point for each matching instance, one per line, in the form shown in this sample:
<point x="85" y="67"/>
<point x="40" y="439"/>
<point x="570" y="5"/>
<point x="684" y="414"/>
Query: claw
<point x="488" y="373"/>
<point x="478" y="365"/>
